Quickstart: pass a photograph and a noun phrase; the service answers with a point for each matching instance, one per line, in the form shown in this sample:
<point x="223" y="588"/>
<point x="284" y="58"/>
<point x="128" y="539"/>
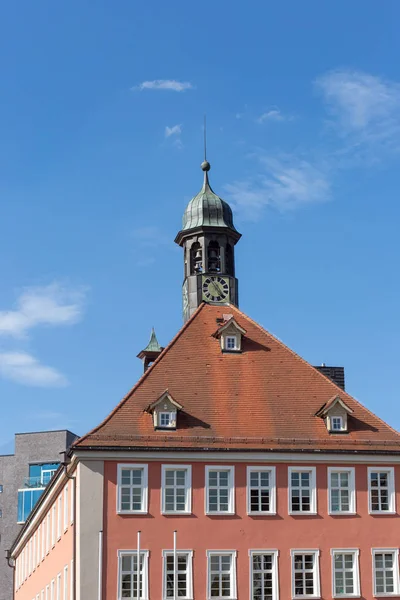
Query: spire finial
<point x="205" y="165"/>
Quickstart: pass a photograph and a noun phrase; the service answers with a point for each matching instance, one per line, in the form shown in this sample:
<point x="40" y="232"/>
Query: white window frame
<point x="341" y="421"/>
<point x="189" y="572"/>
<point x="53" y="524"/>
<point x="47" y="592"/>
<point x="144" y="508"/>
<point x="72" y="499"/>
<point x="232" y="554"/>
<point x="391" y="491"/>
<point x="170" y="419"/>
<point x="65" y="587"/>
<point x="275" y="572"/>
<point x="59" y="516"/>
<point x="396" y="582"/>
<point x="52" y="589"/>
<point x="48" y="525"/>
<point x="34" y="549"/>
<point x="316" y="571"/>
<point x="352" y="490"/>
<point x="145" y="584"/>
<point x="272" y="490"/>
<point x="66" y="507"/>
<point x="58" y="587"/>
<point x="356" y="572"/>
<point x="226" y="342"/>
<point x="231" y="489"/>
<point x="313" y="490"/>
<point x="188" y="489"/>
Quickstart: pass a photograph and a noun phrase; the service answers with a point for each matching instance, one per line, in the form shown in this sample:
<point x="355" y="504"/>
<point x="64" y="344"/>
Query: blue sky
<point x="101" y="141"/>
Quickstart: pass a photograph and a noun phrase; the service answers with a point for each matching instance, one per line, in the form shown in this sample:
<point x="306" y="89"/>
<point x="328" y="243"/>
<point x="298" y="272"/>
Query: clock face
<point x="215" y="289"/>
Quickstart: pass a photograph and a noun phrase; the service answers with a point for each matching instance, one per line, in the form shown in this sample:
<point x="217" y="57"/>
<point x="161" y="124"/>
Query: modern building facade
<point x="232" y="470"/>
<point x="24" y="476"/>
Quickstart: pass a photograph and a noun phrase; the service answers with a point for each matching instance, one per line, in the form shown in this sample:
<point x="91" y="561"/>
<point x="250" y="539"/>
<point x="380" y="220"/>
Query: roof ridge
<point x="341" y="391"/>
<point x="142" y="378"/>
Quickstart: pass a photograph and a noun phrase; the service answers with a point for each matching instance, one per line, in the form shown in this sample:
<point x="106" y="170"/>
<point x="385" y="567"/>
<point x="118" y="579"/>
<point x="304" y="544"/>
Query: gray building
<point x="23" y="477"/>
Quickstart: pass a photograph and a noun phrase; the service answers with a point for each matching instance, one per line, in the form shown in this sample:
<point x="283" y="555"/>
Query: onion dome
<point x="207" y="210"/>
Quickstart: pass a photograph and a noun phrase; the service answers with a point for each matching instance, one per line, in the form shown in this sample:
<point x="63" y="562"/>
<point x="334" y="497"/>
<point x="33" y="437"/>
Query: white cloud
<point x="164" y="84"/>
<point x="285" y="184"/>
<point x="53" y="304"/>
<point x="363" y="106"/>
<point x="175" y="130"/>
<point x="274" y="114"/>
<point x="23" y="368"/>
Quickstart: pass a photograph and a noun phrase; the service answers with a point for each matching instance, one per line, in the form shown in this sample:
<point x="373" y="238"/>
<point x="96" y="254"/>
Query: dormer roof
<point x="165" y="396"/>
<point x="328" y="406"/>
<point x="230" y="324"/>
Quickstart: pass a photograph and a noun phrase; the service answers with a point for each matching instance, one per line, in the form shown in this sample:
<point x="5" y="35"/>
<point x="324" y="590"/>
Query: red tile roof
<point x="265" y="397"/>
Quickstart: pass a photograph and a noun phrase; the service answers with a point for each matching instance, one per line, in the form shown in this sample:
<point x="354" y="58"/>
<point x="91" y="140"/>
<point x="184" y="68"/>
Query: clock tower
<point x="208" y="237"/>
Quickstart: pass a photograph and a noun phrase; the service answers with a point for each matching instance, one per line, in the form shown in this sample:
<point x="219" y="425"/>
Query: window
<point x="42" y="595"/>
<point x="220" y="490"/>
<point x="46" y="475"/>
<point x="176" y="488"/>
<point x="52" y="589"/>
<point x="305" y="574"/>
<point x="165" y="419"/>
<point x="337" y="423"/>
<point x="302" y="490"/>
<point x="48" y="534"/>
<point x="221" y="575"/>
<point x="38" y="546"/>
<point x="386" y="572"/>
<point x="132" y="488"/>
<point x="47" y="592"/>
<point x="34" y="552"/>
<point x="53" y="525"/>
<point x="264" y="574"/>
<point x="72" y="499"/>
<point x="58" y="587"/>
<point x="65" y="591"/>
<point x="43" y="537"/>
<point x="381" y="490"/>
<point x="66" y="507"/>
<point x="59" y="516"/>
<point x="342" y="493"/>
<point x="128" y="574"/>
<point x="346" y="578"/>
<point x="1" y="488"/>
<point x="261" y="490"/>
<point x="231" y="342"/>
<point x="183" y="570"/>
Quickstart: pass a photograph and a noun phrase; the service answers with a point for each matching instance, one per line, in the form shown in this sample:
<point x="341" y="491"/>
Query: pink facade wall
<point x="241" y="532"/>
<point x="59" y="556"/>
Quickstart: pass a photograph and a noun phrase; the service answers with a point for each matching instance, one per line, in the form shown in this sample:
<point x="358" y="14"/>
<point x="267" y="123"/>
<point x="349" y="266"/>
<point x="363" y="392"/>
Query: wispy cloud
<point x="164" y="84"/>
<point x="363" y="106"/>
<point x="175" y="130"/>
<point x="273" y="114"/>
<point x="53" y="304"/>
<point x="24" y="368"/>
<point x="285" y="184"/>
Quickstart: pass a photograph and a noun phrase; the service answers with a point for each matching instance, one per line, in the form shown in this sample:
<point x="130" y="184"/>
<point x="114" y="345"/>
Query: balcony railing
<point x="40" y="481"/>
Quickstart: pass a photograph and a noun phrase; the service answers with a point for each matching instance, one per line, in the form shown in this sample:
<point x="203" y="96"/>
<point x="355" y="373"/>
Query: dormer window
<point x="165" y="412"/>
<point x="230" y="335"/>
<point x="166" y="419"/>
<point x="231" y="342"/>
<point x="335" y="414"/>
<point x="337" y="423"/>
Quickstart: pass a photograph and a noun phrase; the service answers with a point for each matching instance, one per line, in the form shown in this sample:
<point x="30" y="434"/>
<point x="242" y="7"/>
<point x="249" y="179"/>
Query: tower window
<point x="229" y="260"/>
<point x="196" y="259"/>
<point x="214" y="260"/>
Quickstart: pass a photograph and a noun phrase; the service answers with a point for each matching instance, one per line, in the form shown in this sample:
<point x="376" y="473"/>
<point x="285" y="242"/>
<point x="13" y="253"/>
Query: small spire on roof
<point x="153" y="345"/>
<point x="151" y="352"/>
<point x="205" y="165"/>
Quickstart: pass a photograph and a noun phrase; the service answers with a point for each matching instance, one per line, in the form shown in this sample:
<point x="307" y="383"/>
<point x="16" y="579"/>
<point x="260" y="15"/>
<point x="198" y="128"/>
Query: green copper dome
<point x="207" y="209"/>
